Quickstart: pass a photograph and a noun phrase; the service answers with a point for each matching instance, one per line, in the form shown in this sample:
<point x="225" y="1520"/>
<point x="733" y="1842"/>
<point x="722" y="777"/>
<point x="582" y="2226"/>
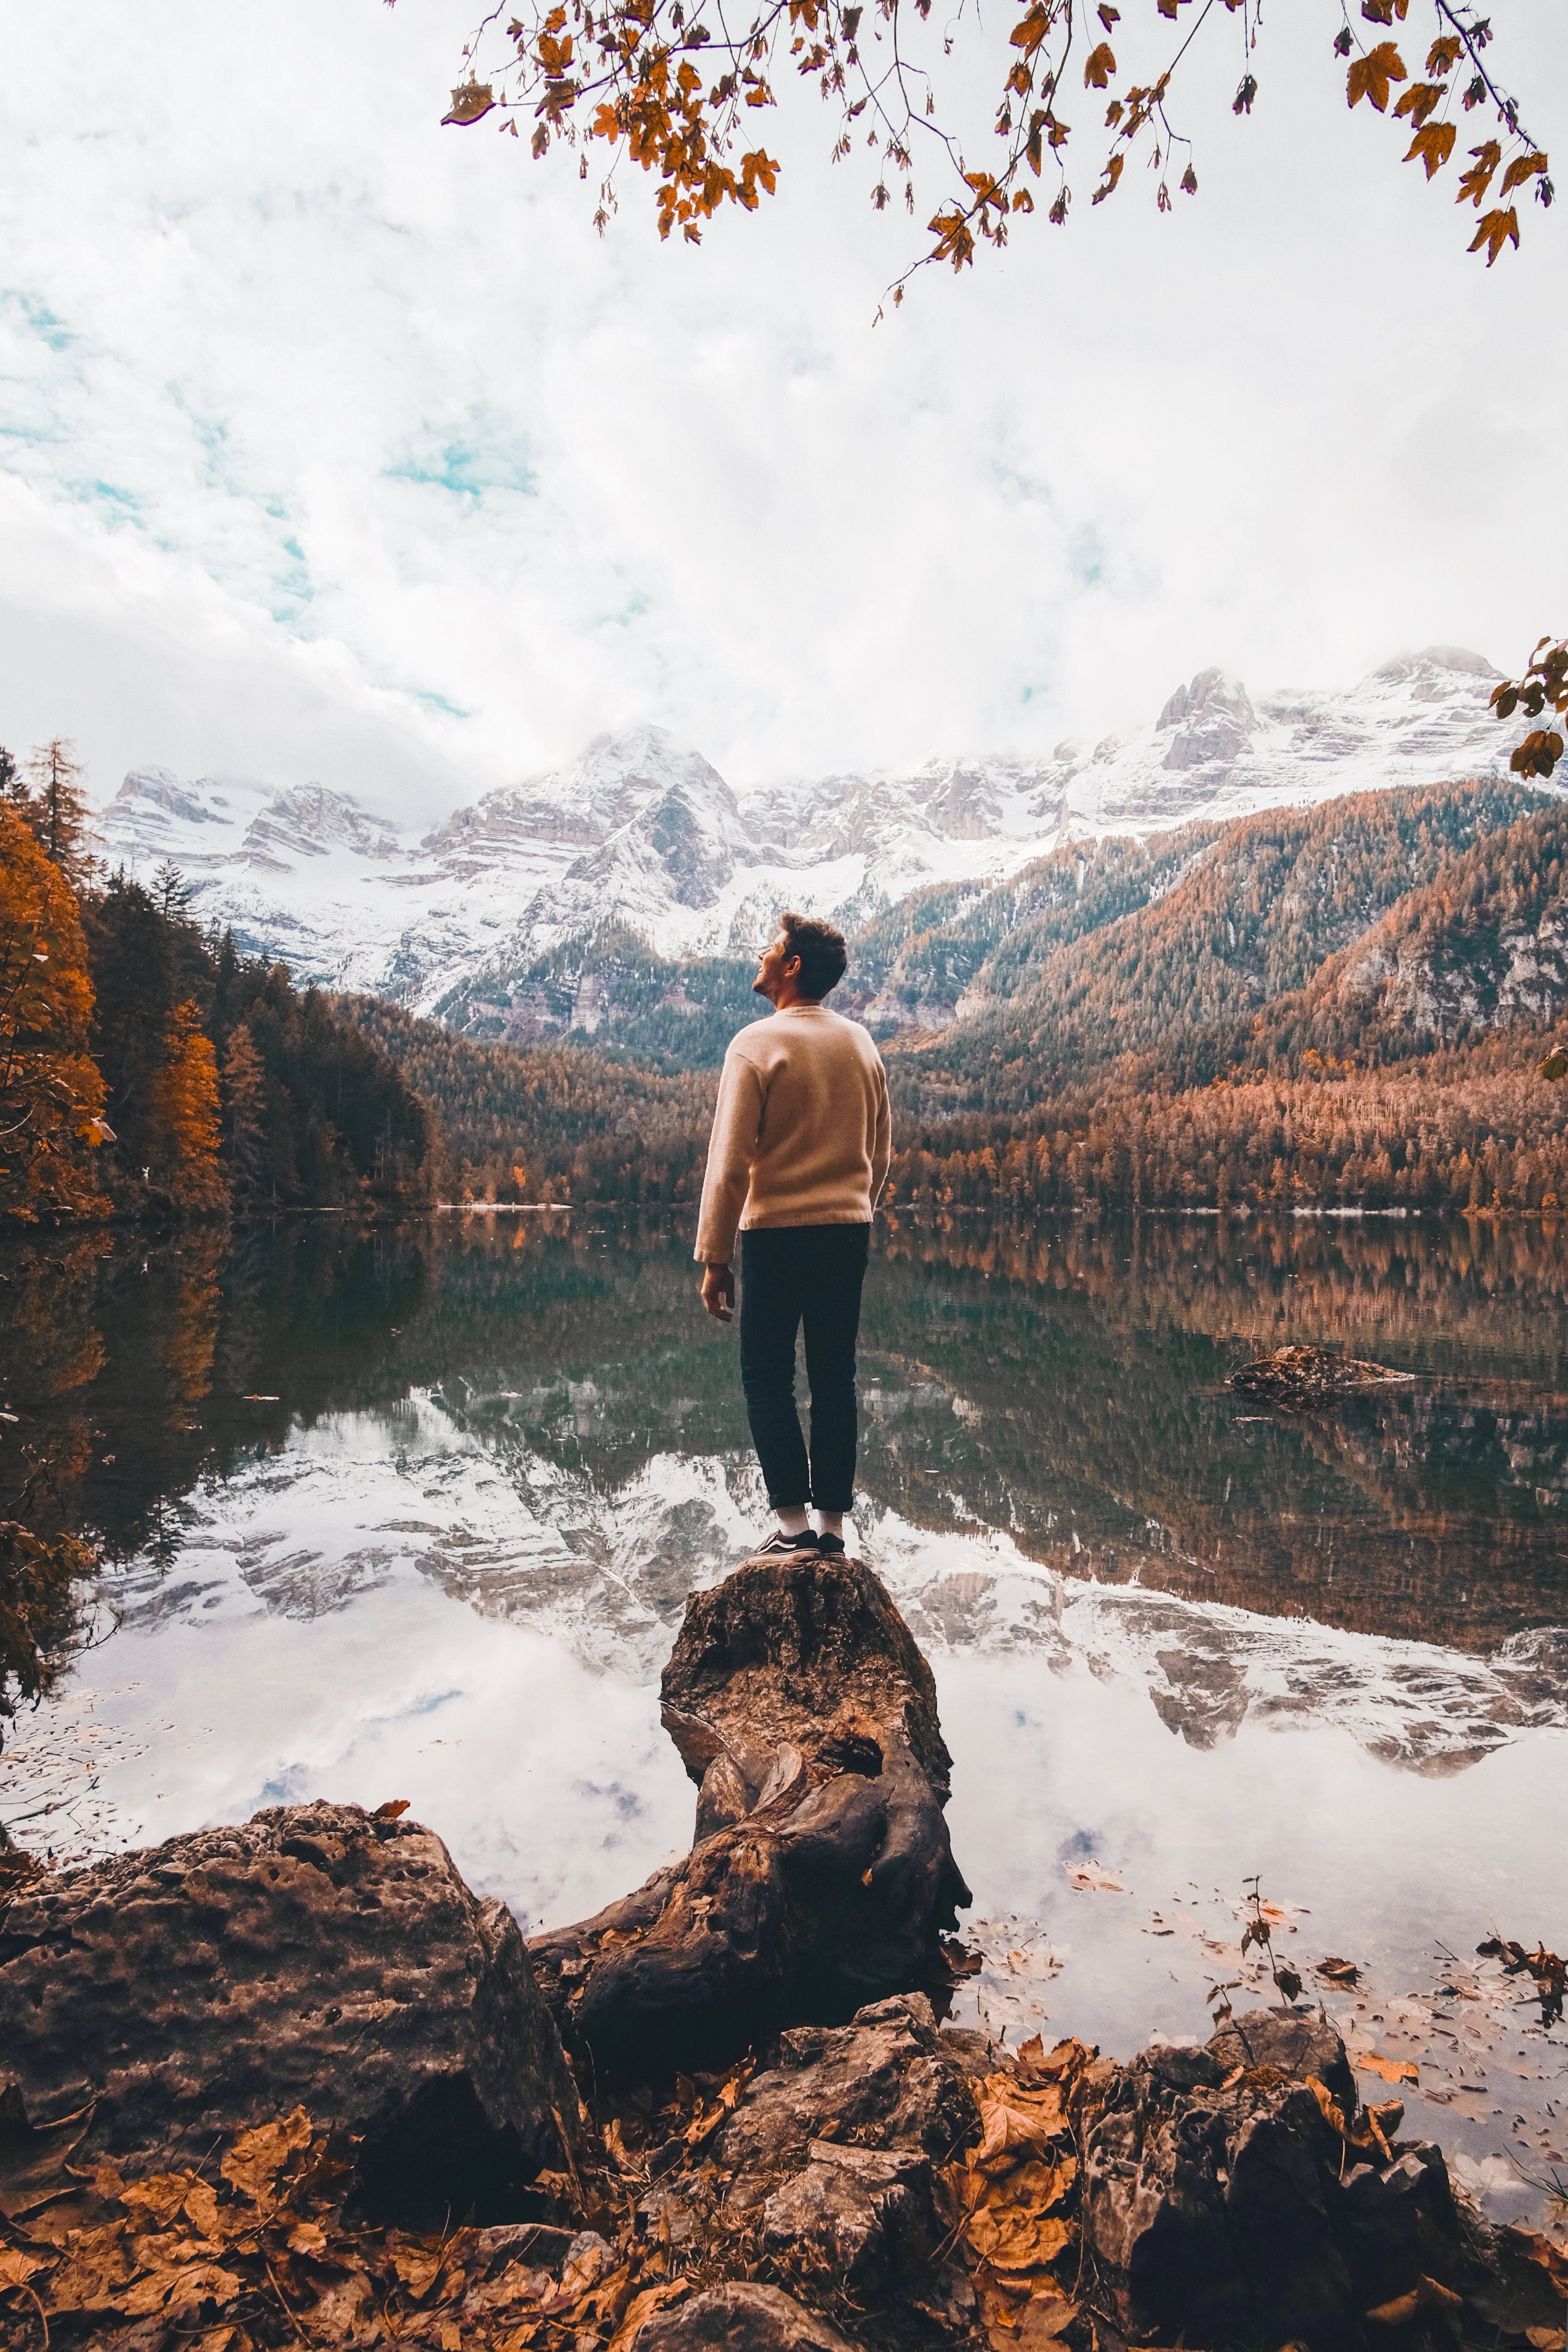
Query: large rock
<point x="1233" y="2193"/>
<point x="822" y="1873"/>
<point x="740" y="2316"/>
<point x="321" y="1957"/>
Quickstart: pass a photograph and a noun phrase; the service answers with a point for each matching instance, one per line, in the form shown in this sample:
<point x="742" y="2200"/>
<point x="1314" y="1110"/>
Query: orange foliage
<point x="187" y="1113"/>
<point x="51" y="1094"/>
<point x="657" y="81"/>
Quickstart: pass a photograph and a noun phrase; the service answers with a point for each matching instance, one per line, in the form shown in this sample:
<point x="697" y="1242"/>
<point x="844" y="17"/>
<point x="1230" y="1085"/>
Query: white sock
<point x="792" y="1518"/>
<point x="831" y="1523"/>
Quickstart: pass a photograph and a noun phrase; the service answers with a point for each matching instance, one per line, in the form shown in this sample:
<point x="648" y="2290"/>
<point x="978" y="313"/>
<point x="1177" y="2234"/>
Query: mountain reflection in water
<point x="415" y="1511"/>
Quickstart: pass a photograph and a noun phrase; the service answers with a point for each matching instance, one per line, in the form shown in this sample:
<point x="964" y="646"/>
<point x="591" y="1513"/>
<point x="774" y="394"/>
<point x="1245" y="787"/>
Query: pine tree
<point x="56" y="808"/>
<point x="14" y="792"/>
<point x="172" y="893"/>
<point x="245" y="1099"/>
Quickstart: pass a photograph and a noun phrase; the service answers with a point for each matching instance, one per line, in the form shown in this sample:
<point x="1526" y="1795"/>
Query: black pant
<point x="790" y="1274"/>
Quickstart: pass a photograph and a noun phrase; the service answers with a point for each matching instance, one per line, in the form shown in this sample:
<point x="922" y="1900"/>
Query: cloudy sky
<point x="336" y="445"/>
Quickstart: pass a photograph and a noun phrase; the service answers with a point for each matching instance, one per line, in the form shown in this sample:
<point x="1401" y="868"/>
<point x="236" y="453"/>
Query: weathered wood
<point x="822" y="1874"/>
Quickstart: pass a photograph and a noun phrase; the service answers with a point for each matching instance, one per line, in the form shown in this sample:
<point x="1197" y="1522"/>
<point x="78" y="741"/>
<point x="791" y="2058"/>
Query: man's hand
<point x="719" y="1292"/>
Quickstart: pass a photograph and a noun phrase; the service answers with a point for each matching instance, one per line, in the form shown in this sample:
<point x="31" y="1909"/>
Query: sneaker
<point x="831" y="1547"/>
<point x="779" y="1542"/>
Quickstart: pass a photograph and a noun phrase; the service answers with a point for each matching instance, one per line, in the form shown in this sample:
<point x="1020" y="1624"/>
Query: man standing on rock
<point x="798" y="1155"/>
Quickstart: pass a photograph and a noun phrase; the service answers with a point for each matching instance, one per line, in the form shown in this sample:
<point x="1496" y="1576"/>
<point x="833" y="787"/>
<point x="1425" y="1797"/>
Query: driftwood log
<point x="822" y="1876"/>
<point x="1309" y="1376"/>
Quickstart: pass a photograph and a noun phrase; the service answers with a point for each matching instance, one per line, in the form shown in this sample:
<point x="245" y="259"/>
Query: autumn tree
<point x="680" y="90"/>
<point x="56" y="808"/>
<point x="185" y="1113"/>
<point x="244" y="1107"/>
<point x="51" y="1094"/>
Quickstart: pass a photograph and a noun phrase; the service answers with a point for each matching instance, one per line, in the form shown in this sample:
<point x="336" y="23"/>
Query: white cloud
<point x="340" y="447"/>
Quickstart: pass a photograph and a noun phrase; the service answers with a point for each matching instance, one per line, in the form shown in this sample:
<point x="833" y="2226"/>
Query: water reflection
<point x="415" y="1511"/>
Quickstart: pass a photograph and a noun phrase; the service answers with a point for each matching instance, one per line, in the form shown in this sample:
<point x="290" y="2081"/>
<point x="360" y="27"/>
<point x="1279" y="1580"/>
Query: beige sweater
<point x="801" y="1134"/>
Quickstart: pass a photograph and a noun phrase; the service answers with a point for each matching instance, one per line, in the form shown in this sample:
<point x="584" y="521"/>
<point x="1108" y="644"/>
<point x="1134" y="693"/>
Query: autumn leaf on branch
<point x="668" y="87"/>
<point x="1434" y="146"/>
<point x="1370" y="76"/>
<point x="1497" y="229"/>
<point x="1474" y="182"/>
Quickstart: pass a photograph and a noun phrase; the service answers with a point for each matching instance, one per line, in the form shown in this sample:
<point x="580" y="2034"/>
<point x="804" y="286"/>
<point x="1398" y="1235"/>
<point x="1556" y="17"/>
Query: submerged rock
<point x="1309" y="1376"/>
<point x="1234" y="2195"/>
<point x="321" y="1957"/>
<point x="822" y="1873"/>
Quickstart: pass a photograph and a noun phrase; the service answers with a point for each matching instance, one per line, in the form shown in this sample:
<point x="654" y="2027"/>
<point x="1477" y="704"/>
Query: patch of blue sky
<point x="39" y="320"/>
<point x="1086" y="556"/>
<point x="428" y="699"/>
<point x="110" y="501"/>
<point x="468" y="467"/>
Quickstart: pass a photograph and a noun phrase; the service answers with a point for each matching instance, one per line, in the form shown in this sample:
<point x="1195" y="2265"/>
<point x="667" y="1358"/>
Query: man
<point x="798" y="1155"/>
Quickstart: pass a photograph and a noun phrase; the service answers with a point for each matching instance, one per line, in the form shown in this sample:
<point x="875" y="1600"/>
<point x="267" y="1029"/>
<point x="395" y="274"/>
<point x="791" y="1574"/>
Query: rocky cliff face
<point x="645" y="835"/>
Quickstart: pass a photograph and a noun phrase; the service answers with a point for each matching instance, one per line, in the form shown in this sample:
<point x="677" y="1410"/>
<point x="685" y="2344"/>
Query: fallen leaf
<point x="1392" y="2070"/>
<point x="642" y="2307"/>
<point x="33" y="2156"/>
<point x="1091" y="1879"/>
<point x="253" y="2164"/>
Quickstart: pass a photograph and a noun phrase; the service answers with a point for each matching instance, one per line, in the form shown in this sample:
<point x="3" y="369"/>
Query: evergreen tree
<point x="245" y="1107"/>
<point x="56" y="808"/>
<point x="14" y="792"/>
<point x="172" y="893"/>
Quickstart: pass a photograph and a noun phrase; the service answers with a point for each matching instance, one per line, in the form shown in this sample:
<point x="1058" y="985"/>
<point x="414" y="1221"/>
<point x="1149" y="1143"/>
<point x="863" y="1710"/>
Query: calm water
<point x="413" y="1512"/>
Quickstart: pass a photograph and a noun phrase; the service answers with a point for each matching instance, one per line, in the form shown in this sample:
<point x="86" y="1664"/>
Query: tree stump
<point x="822" y="1876"/>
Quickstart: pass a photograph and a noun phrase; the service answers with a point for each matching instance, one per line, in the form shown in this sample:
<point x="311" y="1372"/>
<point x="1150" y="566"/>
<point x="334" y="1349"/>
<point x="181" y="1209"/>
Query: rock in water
<point x="822" y="1874"/>
<point x="1309" y="1376"/>
<point x="321" y="1957"/>
<point x="1234" y="2195"/>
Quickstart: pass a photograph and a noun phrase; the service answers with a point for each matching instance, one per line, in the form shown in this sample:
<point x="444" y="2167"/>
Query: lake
<point x="414" y="1511"/>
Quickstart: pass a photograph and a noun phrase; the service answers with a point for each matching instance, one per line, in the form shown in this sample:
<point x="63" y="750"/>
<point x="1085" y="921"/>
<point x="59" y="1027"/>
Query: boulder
<point x="740" y="2316"/>
<point x="821" y="1873"/>
<point x="887" y="2081"/>
<point x="321" y="1957"/>
<point x="826" y="2165"/>
<point x="1224" y="2197"/>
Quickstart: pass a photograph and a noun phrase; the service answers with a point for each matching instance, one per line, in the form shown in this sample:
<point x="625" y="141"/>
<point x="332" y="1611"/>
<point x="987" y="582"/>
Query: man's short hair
<point x="821" y="950"/>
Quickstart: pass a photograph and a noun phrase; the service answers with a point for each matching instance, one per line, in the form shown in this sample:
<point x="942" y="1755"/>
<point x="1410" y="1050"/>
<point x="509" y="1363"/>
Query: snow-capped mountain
<point x="643" y="834"/>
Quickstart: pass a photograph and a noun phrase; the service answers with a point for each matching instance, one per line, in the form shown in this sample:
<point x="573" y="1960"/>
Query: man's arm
<point x="732" y="1148"/>
<point x="882" y="1136"/>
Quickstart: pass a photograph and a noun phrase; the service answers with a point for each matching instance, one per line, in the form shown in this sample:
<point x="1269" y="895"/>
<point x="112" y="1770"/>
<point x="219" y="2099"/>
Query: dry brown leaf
<point x="17" y="2267"/>
<point x="33" y="2156"/>
<point x="417" y="2268"/>
<point x="253" y="2164"/>
<point x="1088" y="1876"/>
<point x="161" y="2198"/>
<point x="202" y="2209"/>
<point x="1392" y="2070"/>
<point x="95" y="2273"/>
<point x="642" y="2307"/>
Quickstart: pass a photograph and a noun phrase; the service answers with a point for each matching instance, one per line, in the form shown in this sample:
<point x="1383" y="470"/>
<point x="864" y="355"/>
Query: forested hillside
<point x="1246" y="916"/>
<point x="609" y="991"/>
<point x="1402" y="1073"/>
<point x="554" y="1122"/>
<point x="147" y="1069"/>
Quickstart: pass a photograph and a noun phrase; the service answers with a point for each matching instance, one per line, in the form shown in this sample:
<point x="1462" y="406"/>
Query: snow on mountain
<point x="644" y="833"/>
